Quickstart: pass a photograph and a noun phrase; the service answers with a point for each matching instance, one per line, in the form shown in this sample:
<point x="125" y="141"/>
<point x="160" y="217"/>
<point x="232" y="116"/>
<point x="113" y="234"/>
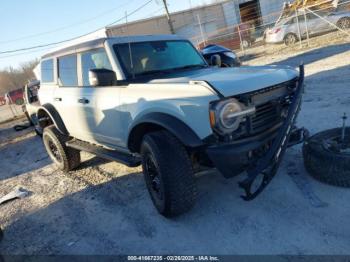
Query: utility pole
<point x="169" y="18"/>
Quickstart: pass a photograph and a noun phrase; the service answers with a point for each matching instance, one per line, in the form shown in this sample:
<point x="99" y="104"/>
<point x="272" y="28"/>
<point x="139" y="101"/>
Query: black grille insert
<point x="266" y="116"/>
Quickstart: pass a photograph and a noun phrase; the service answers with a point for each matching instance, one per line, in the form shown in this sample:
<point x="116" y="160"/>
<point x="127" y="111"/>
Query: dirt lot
<point x="104" y="208"/>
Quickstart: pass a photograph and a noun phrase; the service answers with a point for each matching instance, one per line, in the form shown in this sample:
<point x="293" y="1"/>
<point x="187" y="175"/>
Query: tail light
<point x="276" y="31"/>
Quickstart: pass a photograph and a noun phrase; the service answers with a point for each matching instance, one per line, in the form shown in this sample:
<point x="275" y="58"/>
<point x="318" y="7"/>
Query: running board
<point x="123" y="158"/>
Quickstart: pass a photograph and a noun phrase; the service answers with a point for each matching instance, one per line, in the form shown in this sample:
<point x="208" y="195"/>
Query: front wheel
<point x="55" y="143"/>
<point x="344" y="23"/>
<point x="168" y="173"/>
<point x="290" y="39"/>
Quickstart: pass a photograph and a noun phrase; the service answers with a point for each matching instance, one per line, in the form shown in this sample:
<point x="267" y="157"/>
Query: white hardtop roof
<point x="143" y="38"/>
<point x="91" y="43"/>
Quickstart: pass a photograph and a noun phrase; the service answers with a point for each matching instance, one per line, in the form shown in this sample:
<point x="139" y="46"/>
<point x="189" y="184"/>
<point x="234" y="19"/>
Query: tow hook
<point x="298" y="136"/>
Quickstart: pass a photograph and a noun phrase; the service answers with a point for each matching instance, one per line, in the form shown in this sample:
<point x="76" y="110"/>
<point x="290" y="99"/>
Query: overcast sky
<point x="36" y="22"/>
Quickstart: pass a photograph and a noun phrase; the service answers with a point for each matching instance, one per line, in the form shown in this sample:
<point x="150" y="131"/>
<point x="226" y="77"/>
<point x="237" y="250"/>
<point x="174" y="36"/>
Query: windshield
<point x="154" y="57"/>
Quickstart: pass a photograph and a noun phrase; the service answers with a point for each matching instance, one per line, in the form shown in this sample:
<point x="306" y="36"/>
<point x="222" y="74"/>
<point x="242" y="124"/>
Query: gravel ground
<point x="104" y="208"/>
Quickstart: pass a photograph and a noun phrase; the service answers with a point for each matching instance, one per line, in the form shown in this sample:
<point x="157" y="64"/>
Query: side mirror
<point x="102" y="77"/>
<point x="215" y="60"/>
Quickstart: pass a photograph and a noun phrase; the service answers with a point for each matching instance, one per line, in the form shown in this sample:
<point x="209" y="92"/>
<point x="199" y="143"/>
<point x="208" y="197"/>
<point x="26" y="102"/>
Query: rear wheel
<point x="344" y="23"/>
<point x="55" y="143"/>
<point x="290" y="39"/>
<point x="246" y="44"/>
<point x="168" y="173"/>
<point x="19" y="101"/>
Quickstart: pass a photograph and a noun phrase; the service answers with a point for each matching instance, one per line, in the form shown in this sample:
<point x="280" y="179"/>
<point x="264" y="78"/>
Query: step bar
<point x="113" y="155"/>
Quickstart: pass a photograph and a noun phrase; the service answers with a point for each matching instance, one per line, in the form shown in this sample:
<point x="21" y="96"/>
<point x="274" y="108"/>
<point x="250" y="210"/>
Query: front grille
<point x="271" y="104"/>
<point x="266" y="116"/>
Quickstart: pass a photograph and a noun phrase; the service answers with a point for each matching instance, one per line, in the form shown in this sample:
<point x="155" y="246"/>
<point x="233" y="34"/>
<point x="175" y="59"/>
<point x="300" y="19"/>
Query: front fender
<point x="175" y="126"/>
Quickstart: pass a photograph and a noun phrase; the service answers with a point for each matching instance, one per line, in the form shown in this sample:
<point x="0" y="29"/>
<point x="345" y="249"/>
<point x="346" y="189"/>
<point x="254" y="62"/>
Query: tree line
<point x="14" y="78"/>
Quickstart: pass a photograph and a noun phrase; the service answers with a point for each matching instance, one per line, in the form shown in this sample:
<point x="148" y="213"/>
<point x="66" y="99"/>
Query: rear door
<point x="316" y="24"/>
<point x="67" y="94"/>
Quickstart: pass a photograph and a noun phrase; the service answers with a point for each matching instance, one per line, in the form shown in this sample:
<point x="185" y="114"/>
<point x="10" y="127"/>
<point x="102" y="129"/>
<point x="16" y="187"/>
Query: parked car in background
<point x="32" y="104"/>
<point x="2" y="101"/>
<point x="15" y="97"/>
<point x="241" y="36"/>
<point x="286" y="30"/>
<point x="228" y="57"/>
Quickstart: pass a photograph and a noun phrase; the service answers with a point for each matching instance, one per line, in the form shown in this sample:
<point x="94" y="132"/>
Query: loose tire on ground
<point x="325" y="165"/>
<point x="55" y="143"/>
<point x="168" y="173"/>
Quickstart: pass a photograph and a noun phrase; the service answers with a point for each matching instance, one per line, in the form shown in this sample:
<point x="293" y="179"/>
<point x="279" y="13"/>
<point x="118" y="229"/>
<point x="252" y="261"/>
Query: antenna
<point x="129" y="42"/>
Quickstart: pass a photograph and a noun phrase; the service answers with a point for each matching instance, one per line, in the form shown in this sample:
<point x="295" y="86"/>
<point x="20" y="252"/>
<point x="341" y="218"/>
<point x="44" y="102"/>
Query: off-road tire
<point x="344" y="23"/>
<point x="289" y="37"/>
<point x="70" y="158"/>
<point x="175" y="173"/>
<point x="326" y="166"/>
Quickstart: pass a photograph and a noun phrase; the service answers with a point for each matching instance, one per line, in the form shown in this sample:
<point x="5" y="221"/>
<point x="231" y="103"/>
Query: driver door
<point x="99" y="105"/>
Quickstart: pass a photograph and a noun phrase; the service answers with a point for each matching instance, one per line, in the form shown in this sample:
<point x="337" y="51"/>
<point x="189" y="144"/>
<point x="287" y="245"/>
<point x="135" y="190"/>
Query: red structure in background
<point x="15" y="97"/>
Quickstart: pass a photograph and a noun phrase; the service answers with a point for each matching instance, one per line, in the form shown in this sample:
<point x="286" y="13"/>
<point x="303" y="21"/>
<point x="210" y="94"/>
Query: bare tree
<point x="11" y="78"/>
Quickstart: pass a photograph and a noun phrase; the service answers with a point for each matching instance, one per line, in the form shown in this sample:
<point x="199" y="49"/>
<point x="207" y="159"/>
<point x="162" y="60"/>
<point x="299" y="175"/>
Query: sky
<point x="26" y="23"/>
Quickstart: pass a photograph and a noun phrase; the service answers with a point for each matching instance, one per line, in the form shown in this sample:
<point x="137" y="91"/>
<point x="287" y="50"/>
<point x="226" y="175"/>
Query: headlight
<point x="226" y="116"/>
<point x="226" y="113"/>
<point x="230" y="54"/>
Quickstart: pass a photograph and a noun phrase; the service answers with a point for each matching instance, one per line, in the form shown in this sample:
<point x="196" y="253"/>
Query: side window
<point x="92" y="60"/>
<point x="301" y="19"/>
<point x="47" y="71"/>
<point x="67" y="70"/>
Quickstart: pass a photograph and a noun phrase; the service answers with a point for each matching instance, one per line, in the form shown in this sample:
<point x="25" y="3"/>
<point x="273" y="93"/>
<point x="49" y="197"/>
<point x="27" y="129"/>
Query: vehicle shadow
<point x="117" y="217"/>
<point x="315" y="55"/>
<point x="306" y="57"/>
<point x="23" y="156"/>
<point x="326" y="96"/>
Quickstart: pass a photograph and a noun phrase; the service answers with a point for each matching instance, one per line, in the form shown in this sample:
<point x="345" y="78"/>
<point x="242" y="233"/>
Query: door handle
<point x="59" y="99"/>
<point x="83" y="101"/>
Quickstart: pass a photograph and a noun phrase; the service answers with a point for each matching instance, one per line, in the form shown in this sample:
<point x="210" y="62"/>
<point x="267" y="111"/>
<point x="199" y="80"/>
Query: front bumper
<point x="233" y="158"/>
<point x="259" y="155"/>
<point x="271" y="38"/>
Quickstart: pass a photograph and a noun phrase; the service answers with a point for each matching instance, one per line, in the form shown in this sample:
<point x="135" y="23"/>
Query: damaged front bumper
<point x="261" y="155"/>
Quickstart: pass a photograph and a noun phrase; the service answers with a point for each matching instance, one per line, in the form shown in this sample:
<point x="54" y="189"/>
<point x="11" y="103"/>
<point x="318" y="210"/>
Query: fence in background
<point x="301" y="29"/>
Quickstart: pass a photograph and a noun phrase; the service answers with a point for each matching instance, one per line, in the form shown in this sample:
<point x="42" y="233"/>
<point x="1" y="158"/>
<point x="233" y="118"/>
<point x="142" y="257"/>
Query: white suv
<point x="154" y="100"/>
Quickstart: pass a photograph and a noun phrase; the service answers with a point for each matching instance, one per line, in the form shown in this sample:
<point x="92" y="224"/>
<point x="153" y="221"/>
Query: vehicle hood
<point x="235" y="80"/>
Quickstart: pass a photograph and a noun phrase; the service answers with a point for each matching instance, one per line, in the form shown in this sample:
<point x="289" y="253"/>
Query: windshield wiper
<point x="153" y="72"/>
<point x="191" y="66"/>
<point x="170" y="70"/>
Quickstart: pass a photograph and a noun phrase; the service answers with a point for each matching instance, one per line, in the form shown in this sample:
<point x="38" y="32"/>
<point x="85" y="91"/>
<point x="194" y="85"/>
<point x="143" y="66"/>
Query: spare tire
<point x="327" y="159"/>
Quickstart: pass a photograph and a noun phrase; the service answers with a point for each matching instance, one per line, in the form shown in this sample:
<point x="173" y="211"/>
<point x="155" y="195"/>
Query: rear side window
<point x="96" y="59"/>
<point x="67" y="70"/>
<point x="47" y="71"/>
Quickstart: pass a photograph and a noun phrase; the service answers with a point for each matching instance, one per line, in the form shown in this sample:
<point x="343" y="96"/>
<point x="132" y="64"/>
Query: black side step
<point x="123" y="158"/>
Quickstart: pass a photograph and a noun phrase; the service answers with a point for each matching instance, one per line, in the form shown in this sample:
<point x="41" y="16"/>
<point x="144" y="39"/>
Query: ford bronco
<point x="155" y="101"/>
